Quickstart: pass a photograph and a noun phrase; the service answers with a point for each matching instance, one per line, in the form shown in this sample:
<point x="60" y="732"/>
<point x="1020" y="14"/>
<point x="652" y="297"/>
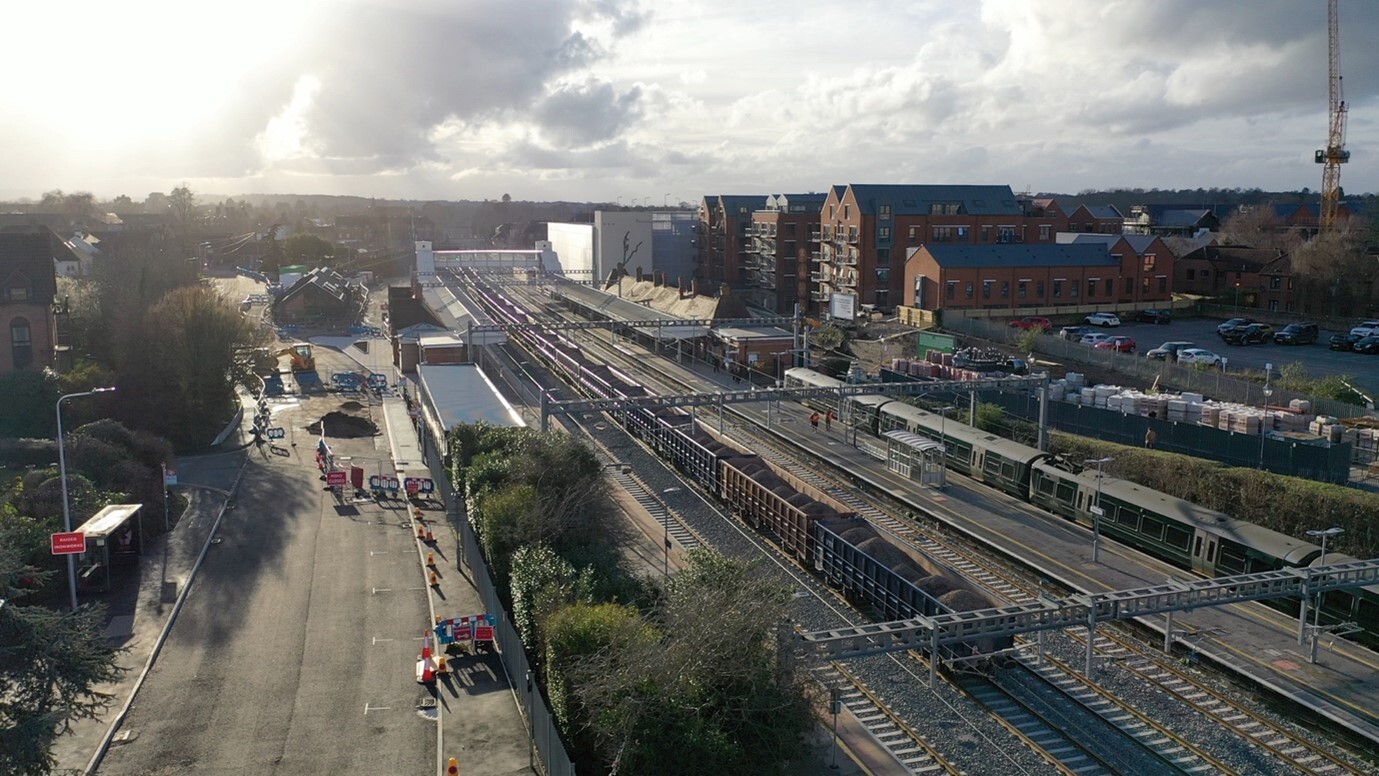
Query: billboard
<point x="842" y="306"/>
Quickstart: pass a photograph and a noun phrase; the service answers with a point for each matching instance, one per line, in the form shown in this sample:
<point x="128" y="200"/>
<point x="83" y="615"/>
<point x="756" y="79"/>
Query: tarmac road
<point x="294" y="652"/>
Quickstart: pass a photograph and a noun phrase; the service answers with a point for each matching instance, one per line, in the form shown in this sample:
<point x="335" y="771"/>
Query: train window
<point x="1197" y="548"/>
<point x="1367" y="613"/>
<point x="1152" y="528"/>
<point x="1211" y="551"/>
<point x="1178" y="537"/>
<point x="1044" y="484"/>
<point x="1232" y="559"/>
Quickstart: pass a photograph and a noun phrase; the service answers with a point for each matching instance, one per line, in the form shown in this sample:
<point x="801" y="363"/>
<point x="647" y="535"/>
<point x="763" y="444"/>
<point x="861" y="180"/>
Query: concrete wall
<point x="574" y="244"/>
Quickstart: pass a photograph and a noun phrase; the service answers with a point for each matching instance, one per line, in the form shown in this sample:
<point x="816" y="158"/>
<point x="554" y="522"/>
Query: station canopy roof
<point x="462" y="393"/>
<point x="922" y="444"/>
<point x="618" y="309"/>
<point x="108" y="520"/>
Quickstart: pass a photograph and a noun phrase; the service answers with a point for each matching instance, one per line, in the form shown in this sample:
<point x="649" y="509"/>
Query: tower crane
<point x="1335" y="154"/>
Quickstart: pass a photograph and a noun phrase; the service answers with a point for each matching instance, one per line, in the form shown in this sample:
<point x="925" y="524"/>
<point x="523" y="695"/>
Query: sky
<point x="638" y="102"/>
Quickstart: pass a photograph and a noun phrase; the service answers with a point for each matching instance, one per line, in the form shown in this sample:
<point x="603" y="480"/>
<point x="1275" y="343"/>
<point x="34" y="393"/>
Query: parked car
<point x="1119" y="344"/>
<point x="1032" y="322"/>
<point x="1155" y="316"/>
<point x="1297" y="334"/>
<point x="1366" y="329"/>
<point x="1169" y="350"/>
<point x="1344" y="341"/>
<point x="1231" y="324"/>
<point x="1249" y="334"/>
<point x="1189" y="356"/>
<point x="1105" y="320"/>
<point x="1369" y="345"/>
<point x="1074" y="333"/>
<point x="1093" y="339"/>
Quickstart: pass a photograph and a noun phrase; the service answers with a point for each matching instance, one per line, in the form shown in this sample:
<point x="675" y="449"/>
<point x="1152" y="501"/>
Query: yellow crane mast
<point x="1335" y="154"/>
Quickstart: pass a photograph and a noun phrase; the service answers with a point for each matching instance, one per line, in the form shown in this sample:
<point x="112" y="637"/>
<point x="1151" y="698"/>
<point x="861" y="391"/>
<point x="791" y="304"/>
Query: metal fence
<point x="1214" y="383"/>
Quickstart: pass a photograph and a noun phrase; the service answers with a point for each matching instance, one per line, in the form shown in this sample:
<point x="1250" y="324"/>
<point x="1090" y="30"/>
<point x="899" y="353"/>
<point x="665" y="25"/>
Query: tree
<point x="309" y="249"/>
<point x="50" y="666"/>
<point x="1335" y="272"/>
<point x="1258" y="227"/>
<point x="182" y="203"/>
<point x="28" y="409"/>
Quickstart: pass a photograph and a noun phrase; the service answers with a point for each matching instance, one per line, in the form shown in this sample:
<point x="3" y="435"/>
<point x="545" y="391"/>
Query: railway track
<point x="909" y="747"/>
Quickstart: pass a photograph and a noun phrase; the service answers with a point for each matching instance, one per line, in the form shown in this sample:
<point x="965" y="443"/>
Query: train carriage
<point x="1001" y="463"/>
<point x="763" y="498"/>
<point x="1360" y="607"/>
<point x="693" y="450"/>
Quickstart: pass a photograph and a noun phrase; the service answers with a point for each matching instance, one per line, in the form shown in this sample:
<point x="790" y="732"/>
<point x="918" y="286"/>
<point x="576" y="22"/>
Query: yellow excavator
<point x="302" y="359"/>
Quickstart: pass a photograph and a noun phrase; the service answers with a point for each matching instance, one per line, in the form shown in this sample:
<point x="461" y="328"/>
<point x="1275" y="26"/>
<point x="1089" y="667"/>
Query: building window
<point x="1091" y="288"/>
<point x="1005" y="289"/>
<point x="788" y="229"/>
<point x="1275" y="282"/>
<point x="830" y="212"/>
<point x="884" y="233"/>
<point x="883" y="255"/>
<point x="1007" y="234"/>
<point x="21" y="343"/>
<point x="1072" y="289"/>
<point x="1148" y="262"/>
<point x="883" y="276"/>
<point x="1163" y="284"/>
<point x="1039" y="289"/>
<point x="1273" y="305"/>
<point x="952" y="292"/>
<point x="1290" y="288"/>
<point x="969" y="290"/>
<point x="885" y="214"/>
<point x="1057" y="289"/>
<point x="1206" y="273"/>
<point x="847" y="212"/>
<point x="1144" y="285"/>
<point x="1129" y="286"/>
<point x="1110" y="287"/>
<point x="943" y="234"/>
<point x="1043" y="232"/>
<point x="986" y="233"/>
<point x="960" y="233"/>
<point x="914" y="233"/>
<point x="17" y="294"/>
<point x="1192" y="274"/>
<point x="1022" y="290"/>
<point x="986" y="288"/>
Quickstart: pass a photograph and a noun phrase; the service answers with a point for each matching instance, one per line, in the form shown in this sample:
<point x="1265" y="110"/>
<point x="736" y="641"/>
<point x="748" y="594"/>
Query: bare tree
<point x="183" y="208"/>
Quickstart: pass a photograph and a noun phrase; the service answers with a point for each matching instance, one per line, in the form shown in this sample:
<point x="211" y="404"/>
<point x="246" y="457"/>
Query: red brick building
<point x="869" y="229"/>
<point x="1016" y="276"/>
<point x="1096" y="219"/>
<point x="1238" y="275"/>
<point x="722" y="242"/>
<point x="28" y="287"/>
<point x="784" y="237"/>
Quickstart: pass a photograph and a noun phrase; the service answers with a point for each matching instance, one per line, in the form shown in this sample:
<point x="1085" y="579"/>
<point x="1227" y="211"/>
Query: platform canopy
<point x="108" y="520"/>
<point x="922" y="444"/>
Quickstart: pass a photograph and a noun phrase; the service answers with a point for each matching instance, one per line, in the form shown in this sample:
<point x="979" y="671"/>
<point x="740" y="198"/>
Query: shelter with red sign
<point x="114" y="538"/>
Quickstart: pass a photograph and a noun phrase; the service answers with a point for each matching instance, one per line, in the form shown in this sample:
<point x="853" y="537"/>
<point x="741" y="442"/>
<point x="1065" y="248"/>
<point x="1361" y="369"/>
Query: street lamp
<point x="665" y="525"/>
<point x="62" y="474"/>
<point x="1323" y="534"/>
<point x="1096" y="508"/>
<point x="1268" y="391"/>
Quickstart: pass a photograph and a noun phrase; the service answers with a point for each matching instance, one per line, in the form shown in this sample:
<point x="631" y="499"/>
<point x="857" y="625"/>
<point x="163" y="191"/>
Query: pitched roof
<point x="1104" y="211"/>
<point x="733" y="204"/>
<point x="1139" y="243"/>
<point x="1020" y="255"/>
<point x="325" y="280"/>
<point x="1235" y="258"/>
<point x="1183" y="217"/>
<point x="29" y="252"/>
<point x="917" y="199"/>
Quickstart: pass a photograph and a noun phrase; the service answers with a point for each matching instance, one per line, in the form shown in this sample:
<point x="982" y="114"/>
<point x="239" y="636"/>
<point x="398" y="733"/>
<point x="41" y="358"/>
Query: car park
<point x="1369" y="345"/>
<point x="1231" y="324"/>
<point x="1032" y="322"/>
<point x="1189" y="356"/>
<point x="1344" y="341"/>
<point x="1105" y="320"/>
<point x="1091" y="340"/>
<point x="1120" y="344"/>
<point x="1074" y="333"/>
<point x="1154" y="316"/>
<point x="1297" y="334"/>
<point x="1169" y="350"/>
<point x="1366" y="329"/>
<point x="1249" y="334"/>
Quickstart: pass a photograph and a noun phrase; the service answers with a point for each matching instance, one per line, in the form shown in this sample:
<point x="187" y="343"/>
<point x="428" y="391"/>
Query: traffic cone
<point x="438" y="619"/>
<point x="441" y="668"/>
<point x="421" y="533"/>
<point x="452" y="767"/>
<point x="425" y="646"/>
<point x="431" y="562"/>
<point x="429" y="538"/>
<point x="426" y="667"/>
<point x="435" y="581"/>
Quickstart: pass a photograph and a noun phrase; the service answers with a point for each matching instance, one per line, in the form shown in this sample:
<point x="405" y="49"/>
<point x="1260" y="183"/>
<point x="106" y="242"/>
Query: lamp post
<point x="942" y="423"/>
<point x="1096" y="508"/>
<point x="62" y="474"/>
<point x="665" y="526"/>
<point x="1268" y="391"/>
<point x="1323" y="534"/>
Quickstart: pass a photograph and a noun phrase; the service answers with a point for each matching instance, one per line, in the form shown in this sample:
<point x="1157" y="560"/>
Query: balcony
<point x="815" y="257"/>
<point x="847" y="260"/>
<point x="820" y="295"/>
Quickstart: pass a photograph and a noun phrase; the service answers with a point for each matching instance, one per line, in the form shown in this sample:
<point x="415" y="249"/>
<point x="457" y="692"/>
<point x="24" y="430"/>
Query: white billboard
<point x="842" y="306"/>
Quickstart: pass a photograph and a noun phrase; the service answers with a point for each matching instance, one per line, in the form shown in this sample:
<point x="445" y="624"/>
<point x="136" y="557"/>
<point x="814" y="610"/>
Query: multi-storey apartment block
<point x="784" y="242"/>
<point x="722" y="242"/>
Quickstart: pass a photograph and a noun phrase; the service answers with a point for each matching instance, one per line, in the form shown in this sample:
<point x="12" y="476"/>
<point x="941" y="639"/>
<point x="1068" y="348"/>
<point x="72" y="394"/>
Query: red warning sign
<point x="336" y="478"/>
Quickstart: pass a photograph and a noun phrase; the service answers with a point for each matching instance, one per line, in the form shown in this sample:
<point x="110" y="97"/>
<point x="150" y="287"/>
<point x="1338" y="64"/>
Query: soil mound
<point x="344" y="426"/>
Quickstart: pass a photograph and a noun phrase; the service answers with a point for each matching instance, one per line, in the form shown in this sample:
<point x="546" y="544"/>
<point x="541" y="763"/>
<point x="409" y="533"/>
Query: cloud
<point x="586" y="113"/>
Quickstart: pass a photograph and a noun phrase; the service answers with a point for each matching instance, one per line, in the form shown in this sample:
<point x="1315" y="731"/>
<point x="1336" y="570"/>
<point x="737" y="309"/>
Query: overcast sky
<point x="610" y="100"/>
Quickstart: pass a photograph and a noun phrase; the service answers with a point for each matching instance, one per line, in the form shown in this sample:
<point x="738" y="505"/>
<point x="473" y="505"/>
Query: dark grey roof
<point x="785" y="202"/>
<point x="734" y="203"/>
<point x="1139" y="243"/>
<point x="1104" y="211"/>
<point x="1065" y="255"/>
<point x="1182" y="217"/>
<point x="916" y="199"/>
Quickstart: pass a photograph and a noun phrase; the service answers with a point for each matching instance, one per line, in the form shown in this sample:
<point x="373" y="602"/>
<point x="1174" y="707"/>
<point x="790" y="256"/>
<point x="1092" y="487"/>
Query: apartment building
<point x="721" y="241"/>
<point x="868" y="231"/>
<point x="28" y="287"/>
<point x="784" y="240"/>
<point x="1239" y="275"/>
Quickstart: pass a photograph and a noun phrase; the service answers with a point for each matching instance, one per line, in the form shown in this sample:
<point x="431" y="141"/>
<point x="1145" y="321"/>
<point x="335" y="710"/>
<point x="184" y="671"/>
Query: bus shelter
<point x="114" y="537"/>
<point x="916" y="457"/>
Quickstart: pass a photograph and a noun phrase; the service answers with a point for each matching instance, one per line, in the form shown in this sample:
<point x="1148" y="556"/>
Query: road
<point x="1360" y="370"/>
<point x="295" y="650"/>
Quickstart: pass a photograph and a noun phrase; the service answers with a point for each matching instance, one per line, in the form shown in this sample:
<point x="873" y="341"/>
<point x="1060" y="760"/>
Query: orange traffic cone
<point x="425" y="646"/>
<point x="431" y="561"/>
<point x="452" y="767"/>
<point x="441" y="667"/>
<point x="435" y="581"/>
<point x="429" y="538"/>
<point x="426" y="667"/>
<point x="421" y="533"/>
<point x="438" y="619"/>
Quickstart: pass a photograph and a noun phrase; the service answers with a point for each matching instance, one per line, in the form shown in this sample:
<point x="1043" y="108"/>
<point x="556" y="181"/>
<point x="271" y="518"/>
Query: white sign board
<point x="842" y="306"/>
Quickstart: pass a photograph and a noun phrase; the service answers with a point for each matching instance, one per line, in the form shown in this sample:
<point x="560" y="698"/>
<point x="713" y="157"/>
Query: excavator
<point x="302" y="358"/>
